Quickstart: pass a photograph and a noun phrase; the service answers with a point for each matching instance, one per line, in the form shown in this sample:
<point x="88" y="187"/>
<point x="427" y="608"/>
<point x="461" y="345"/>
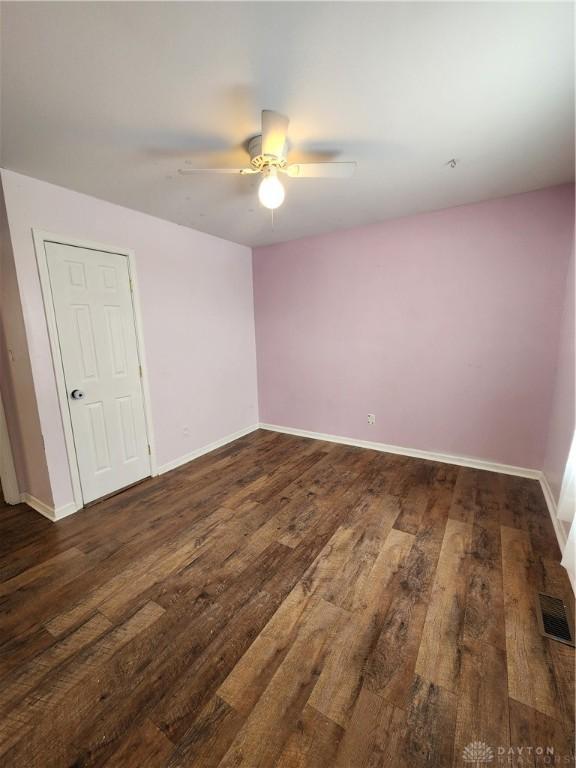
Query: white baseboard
<point x="559" y="530"/>
<point x="48" y="510"/>
<point x="461" y="461"/>
<point x="416" y="453"/>
<point x="54" y="514"/>
<point x="175" y="463"/>
<point x="561" y="536"/>
<point x="553" y="511"/>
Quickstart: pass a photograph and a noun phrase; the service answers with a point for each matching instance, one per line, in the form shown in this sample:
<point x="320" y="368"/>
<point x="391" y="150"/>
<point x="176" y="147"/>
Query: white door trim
<point x="40" y="238"/>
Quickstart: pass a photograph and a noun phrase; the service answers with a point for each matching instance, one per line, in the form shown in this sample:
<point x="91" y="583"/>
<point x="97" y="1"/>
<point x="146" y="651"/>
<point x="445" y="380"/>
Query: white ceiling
<point x="112" y="98"/>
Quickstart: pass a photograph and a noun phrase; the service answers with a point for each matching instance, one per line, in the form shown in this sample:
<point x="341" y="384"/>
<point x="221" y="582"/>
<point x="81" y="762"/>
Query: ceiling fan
<point x="268" y="155"/>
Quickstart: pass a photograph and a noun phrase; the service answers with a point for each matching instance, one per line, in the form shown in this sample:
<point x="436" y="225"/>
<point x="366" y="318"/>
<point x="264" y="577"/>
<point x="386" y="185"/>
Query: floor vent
<point x="554" y="619"/>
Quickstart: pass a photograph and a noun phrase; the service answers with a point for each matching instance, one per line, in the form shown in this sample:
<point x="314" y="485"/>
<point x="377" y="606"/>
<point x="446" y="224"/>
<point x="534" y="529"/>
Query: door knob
<point x="77" y="394"/>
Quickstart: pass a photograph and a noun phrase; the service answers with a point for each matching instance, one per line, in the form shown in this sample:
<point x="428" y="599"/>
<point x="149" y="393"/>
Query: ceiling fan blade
<point x="192" y="171"/>
<point x="321" y="170"/>
<point x="274" y="129"/>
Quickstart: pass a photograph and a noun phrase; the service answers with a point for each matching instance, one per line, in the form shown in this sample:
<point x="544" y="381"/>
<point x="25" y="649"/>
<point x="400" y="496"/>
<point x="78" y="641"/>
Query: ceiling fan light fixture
<point x="271" y="191"/>
<point x="268" y="156"/>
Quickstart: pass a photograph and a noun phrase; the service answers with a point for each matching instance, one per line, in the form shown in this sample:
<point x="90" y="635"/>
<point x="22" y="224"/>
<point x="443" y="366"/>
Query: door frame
<point x="41" y="237"/>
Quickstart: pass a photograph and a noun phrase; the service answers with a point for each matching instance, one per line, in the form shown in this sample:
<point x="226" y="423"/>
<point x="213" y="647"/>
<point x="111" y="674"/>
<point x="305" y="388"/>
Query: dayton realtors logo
<point x="480" y="754"/>
<point x="477" y="753"/>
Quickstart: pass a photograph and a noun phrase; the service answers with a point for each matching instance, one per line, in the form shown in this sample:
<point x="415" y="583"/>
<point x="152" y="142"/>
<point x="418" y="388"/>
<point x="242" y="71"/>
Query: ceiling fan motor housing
<point x="259" y="162"/>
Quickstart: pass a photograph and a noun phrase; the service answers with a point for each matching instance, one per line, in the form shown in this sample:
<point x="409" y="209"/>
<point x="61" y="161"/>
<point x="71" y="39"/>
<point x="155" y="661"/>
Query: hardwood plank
<point x="313" y="743"/>
<point x="312" y="495"/>
<point x="200" y="679"/>
<point x="19" y="524"/>
<point x="524" y="507"/>
<point x="414" y="484"/>
<point x="478" y="498"/>
<point x="120" y="590"/>
<point x="482" y="713"/>
<point x="219" y="638"/>
<point x="563" y="672"/>
<point x="32" y="673"/>
<point x="531" y="678"/>
<point x="145" y="502"/>
<point x="223" y="536"/>
<point x="484" y="616"/>
<point x="144" y="747"/>
<point x="278" y="478"/>
<point x="233" y="641"/>
<point x="31" y="556"/>
<point x="341" y="681"/>
<point x="136" y="680"/>
<point x="237" y="548"/>
<point x="439" y="654"/>
<point x="177" y="711"/>
<point x="206" y="741"/>
<point x="348" y="458"/>
<point x="538" y="740"/>
<point x="430" y="725"/>
<point x="374" y="735"/>
<point x="177" y="555"/>
<point x="489" y="499"/>
<point x="56" y="691"/>
<point x="261" y="739"/>
<point x="342" y="572"/>
<point x="464" y="506"/>
<point x="389" y="668"/>
<point x="245" y="684"/>
<point x="21" y="647"/>
<point x="214" y="617"/>
<point x="29" y="587"/>
<point x="269" y="602"/>
<point x="549" y="577"/>
<point x="58" y="599"/>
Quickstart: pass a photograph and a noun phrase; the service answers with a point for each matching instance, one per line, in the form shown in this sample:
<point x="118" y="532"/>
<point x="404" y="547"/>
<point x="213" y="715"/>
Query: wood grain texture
<point x="144" y="747"/>
<point x="275" y="716"/>
<point x="531" y="678"/>
<point x="430" y="724"/>
<point x="484" y="617"/>
<point x="284" y="602"/>
<point x="314" y="742"/>
<point x="439" y="656"/>
<point x="538" y="740"/>
<point x="482" y="709"/>
<point x="375" y="734"/>
<point x="341" y="680"/>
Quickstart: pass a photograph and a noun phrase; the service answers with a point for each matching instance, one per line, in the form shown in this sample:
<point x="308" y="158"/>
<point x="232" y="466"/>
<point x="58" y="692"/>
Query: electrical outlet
<point x="371" y="418"/>
<point x="186" y="431"/>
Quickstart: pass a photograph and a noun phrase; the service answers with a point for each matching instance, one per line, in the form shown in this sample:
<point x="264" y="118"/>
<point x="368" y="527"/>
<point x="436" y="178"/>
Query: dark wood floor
<point x="285" y="602"/>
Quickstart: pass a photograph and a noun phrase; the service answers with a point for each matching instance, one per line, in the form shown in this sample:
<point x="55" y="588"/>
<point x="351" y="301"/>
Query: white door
<point x="97" y="335"/>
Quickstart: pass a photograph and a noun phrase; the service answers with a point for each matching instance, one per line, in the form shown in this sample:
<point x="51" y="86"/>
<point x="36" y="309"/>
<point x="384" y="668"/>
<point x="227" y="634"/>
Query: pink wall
<point x="562" y="420"/>
<point x="197" y="305"/>
<point x="444" y="325"/>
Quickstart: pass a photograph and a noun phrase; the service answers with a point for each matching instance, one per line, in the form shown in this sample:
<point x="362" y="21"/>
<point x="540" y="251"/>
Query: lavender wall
<point x="16" y="381"/>
<point x="197" y="305"/>
<point x="562" y="420"/>
<point x="444" y="325"/>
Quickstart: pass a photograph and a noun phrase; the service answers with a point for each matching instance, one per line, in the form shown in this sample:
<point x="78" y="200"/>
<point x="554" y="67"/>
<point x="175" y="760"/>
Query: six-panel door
<point x="97" y="336"/>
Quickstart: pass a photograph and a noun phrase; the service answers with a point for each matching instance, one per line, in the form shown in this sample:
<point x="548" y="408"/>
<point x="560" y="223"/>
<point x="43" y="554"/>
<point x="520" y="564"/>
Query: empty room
<point x="287" y="384"/>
